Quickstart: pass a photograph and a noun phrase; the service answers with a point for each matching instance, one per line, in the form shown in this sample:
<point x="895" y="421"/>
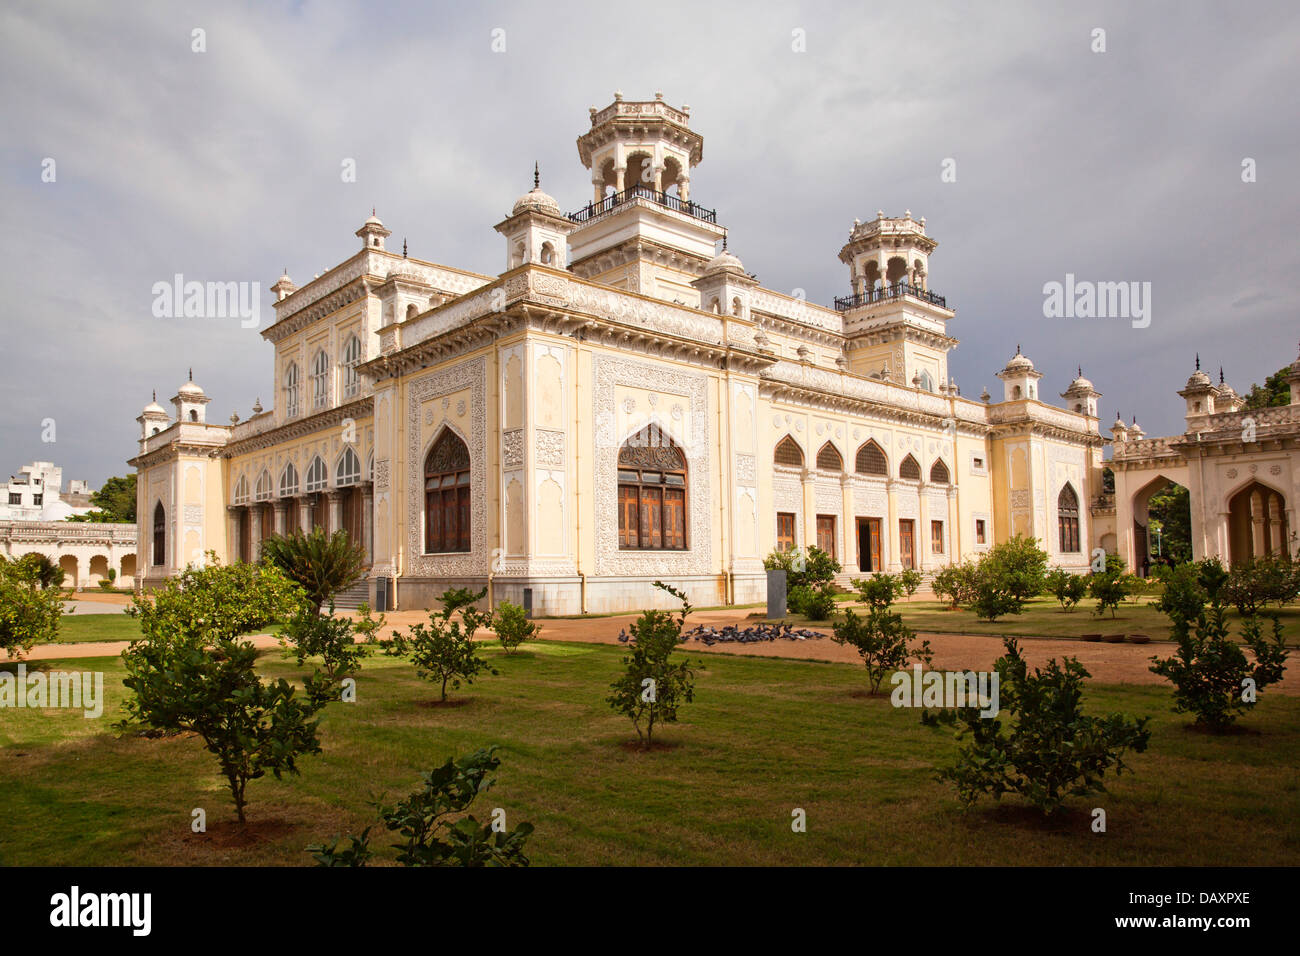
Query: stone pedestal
<point x="776" y="593"/>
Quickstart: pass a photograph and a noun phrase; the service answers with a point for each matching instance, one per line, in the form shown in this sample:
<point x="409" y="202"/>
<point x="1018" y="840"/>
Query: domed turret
<point x="189" y="401"/>
<point x="724" y="261"/>
<point x="153" y="419"/>
<point x="1019" y="378"/>
<point x="536" y="231"/>
<point x="1081" y="397"/>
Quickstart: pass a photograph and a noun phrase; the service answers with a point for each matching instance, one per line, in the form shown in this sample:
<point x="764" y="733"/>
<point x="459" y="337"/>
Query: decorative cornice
<point x="357" y="410"/>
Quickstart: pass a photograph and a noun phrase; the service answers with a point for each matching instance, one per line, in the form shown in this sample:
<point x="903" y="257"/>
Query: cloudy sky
<point x="1123" y="165"/>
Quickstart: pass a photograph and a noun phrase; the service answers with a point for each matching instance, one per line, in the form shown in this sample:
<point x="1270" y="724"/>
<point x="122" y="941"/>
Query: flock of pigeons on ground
<point x="735" y="634"/>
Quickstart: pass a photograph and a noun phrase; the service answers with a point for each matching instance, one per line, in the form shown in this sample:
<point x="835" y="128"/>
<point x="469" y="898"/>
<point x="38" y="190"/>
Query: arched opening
<point x="829" y="459"/>
<point x="909" y="468"/>
<point x="289" y="481"/>
<point x="127" y="570"/>
<point x="1067" y="521"/>
<point x="871" y="460"/>
<point x="292" y="391"/>
<point x="652" y="487"/>
<point x="871" y="276"/>
<point x="315" y="481"/>
<point x="348" y="471"/>
<point x="1257" y="523"/>
<point x="788" y="453"/>
<point x="351" y="359"/>
<point x="320" y="380"/>
<point x="1162" y="525"/>
<point x="640" y="172"/>
<point x="263" y="490"/>
<point x="548" y="254"/>
<point x="446" y="495"/>
<point x="896" y="271"/>
<point x="194" y="415"/>
<point x="672" y="175"/>
<point x="98" y="570"/>
<point x="68" y="565"/>
<point x="939" y="474"/>
<point x="159" y="535"/>
<point x="1016" y="392"/>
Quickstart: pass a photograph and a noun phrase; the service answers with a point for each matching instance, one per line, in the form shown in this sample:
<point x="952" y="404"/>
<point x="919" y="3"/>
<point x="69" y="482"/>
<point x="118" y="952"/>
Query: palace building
<point x="624" y="403"/>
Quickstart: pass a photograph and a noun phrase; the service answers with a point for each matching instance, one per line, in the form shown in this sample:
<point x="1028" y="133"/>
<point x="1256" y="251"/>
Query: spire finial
<point x="1220" y="374"/>
<point x="403" y="247"/>
<point x="724" y="242"/>
<point x="1080" y="371"/>
<point x="537" y="175"/>
<point x="372" y="211"/>
<point x="1017" y="348"/>
<point x="155" y="394"/>
<point x="191" y="373"/>
<point x="1198" y="361"/>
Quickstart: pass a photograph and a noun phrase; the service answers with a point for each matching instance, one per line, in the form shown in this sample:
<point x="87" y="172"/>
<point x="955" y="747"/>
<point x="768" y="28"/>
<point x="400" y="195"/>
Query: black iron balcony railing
<point x="667" y="200"/>
<point x="846" y="302"/>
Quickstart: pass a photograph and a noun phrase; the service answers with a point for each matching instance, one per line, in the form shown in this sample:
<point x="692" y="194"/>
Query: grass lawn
<point x="1043" y="617"/>
<point x="763" y="737"/>
<point x="91" y="628"/>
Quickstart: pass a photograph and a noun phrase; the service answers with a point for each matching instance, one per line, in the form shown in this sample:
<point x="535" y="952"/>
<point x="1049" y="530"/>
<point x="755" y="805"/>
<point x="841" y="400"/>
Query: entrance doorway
<point x="869" y="545"/>
<point x="906" y="547"/>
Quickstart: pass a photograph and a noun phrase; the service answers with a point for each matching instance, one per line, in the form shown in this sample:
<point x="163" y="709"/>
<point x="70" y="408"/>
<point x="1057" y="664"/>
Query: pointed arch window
<point x="871" y="460"/>
<point x="292" y="391"/>
<point x="351" y="359"/>
<point x="828" y="458"/>
<point x="263" y="490"/>
<point x="241" y="490"/>
<point x="446" y="495"/>
<point x="1067" y="520"/>
<point x="909" y="469"/>
<point x="320" y="380"/>
<point x="652" y="489"/>
<point x="348" y="471"/>
<point x="318" y="478"/>
<point x="159" y="535"/>
<point x="788" y="453"/>
<point x="289" y="481"/>
<point x="939" y="472"/>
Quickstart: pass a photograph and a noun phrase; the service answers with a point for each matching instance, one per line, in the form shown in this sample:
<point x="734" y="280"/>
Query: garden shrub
<point x="654" y="686"/>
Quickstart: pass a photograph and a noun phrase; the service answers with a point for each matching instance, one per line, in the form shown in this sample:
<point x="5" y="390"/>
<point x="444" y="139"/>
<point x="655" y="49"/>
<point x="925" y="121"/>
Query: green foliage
<point x="216" y="602"/>
<point x="329" y="637"/>
<point x="432" y="832"/>
<point x="882" y="640"/>
<point x="444" y="650"/>
<point x="1184" y="596"/>
<point x="815" y="603"/>
<point x="879" y="590"/>
<point x="956" y="584"/>
<point x="367" y="625"/>
<point x="323" y="564"/>
<point x="1211" y="676"/>
<point x="911" y="580"/>
<point x="1020" y="567"/>
<point x="991" y="598"/>
<point x="1040" y="744"/>
<point x="1254" y="582"/>
<point x="29" y="611"/>
<point x="189" y="673"/>
<point x="1212" y="576"/>
<point x="114" y="502"/>
<point x="42" y="569"/>
<point x="512" y="626"/>
<point x="1108" y="589"/>
<point x="1171" y="514"/>
<point x="654" y="686"/>
<point x="809" y="568"/>
<point x="1272" y="393"/>
<point x="1068" y="588"/>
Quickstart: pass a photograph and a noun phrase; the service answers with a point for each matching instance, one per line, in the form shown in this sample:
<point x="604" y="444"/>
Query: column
<point x="368" y="520"/>
<point x="849" y="525"/>
<point x="924" y="552"/>
<point x="281" y="507"/>
<point x="336" y="511"/>
<point x="304" y="513"/>
<point x="255" y="533"/>
<point x="232" y="534"/>
<point x="889" y="535"/>
<point x="684" y="187"/>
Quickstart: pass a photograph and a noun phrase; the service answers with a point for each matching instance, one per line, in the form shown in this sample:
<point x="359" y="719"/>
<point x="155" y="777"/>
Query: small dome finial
<point x="1220" y="374"/>
<point x="1017" y="348"/>
<point x="155" y="394"/>
<point x="537" y="175"/>
<point x="724" y="242"/>
<point x="1198" y="361"/>
<point x="403" y="247"/>
<point x="191" y="373"/>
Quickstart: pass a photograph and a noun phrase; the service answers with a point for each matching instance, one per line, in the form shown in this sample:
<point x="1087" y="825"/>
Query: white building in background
<point x="36" y="494"/>
<point x="34" y="508"/>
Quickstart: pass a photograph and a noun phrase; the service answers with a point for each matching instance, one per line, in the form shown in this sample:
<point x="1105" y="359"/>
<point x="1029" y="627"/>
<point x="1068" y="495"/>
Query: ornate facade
<point x="623" y="403"/>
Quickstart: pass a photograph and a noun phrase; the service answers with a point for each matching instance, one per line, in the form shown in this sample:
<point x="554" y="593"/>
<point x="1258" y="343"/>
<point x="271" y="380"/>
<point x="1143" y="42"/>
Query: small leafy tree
<point x="444" y="650"/>
<point x="367" y="625"/>
<point x="880" y="637"/>
<point x="911" y="579"/>
<point x="512" y="626"/>
<point x="42" y="569"/>
<point x="329" y="637"/>
<point x="1183" y="597"/>
<point x="1212" y="575"/>
<point x="1068" y="588"/>
<point x="991" y="596"/>
<point x="879" y="590"/>
<point x="956" y="584"/>
<point x="1041" y="745"/>
<point x="29" y="610"/>
<point x="810" y="568"/>
<point x="323" y="564"/>
<point x="1020" y="566"/>
<point x="1211" y="676"/>
<point x="1108" y="589"/>
<point x="432" y="832"/>
<point x="654" y="686"/>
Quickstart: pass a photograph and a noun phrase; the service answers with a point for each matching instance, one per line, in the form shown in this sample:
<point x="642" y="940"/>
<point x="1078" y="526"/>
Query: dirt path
<point x="1107" y="663"/>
